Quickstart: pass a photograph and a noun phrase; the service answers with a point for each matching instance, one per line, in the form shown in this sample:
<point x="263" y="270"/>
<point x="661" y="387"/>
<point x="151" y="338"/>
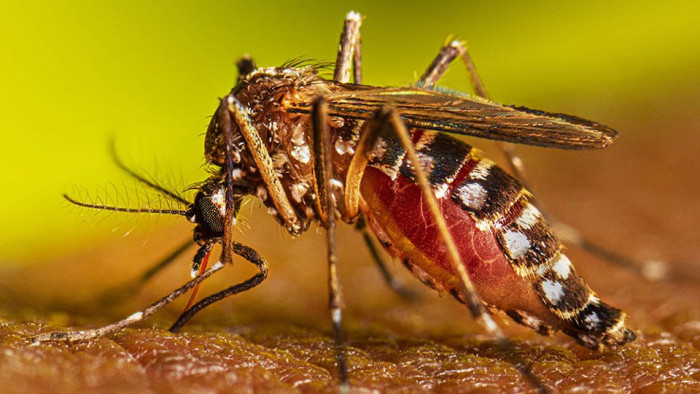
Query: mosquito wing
<point x="467" y="115"/>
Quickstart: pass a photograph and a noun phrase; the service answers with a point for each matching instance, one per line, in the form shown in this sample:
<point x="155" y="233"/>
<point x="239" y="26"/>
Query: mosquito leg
<point x="323" y="175"/>
<point x="649" y="269"/>
<point x="440" y="64"/>
<point x="121" y="292"/>
<point x="388" y="119"/>
<point x="224" y="118"/>
<point x="232" y="111"/>
<point x="437" y="68"/>
<point x="247" y="253"/>
<point x="357" y="60"/>
<point x="368" y="137"/>
<point x="134" y="318"/>
<point x="349" y="53"/>
<point x="396" y="285"/>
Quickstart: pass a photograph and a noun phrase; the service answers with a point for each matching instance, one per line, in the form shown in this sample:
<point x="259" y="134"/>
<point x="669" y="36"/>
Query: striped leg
<point x="327" y="209"/>
<point x="437" y="68"/>
<point x="387" y="119"/>
<point x="350" y="56"/>
<point x="231" y="112"/>
<point x="399" y="287"/>
<point x="652" y="270"/>
<point x="349" y="53"/>
<point x="247" y="253"/>
<point x="133" y="318"/>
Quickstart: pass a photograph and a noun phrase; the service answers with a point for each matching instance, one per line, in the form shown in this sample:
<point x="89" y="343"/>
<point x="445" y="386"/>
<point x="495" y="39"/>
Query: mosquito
<point x="316" y="150"/>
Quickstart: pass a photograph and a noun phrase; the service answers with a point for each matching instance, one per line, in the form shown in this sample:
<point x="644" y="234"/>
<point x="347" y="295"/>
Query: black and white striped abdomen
<point x="499" y="205"/>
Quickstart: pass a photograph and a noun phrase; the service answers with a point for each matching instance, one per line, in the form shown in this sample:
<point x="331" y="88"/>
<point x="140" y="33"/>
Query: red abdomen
<point x="398" y="215"/>
<point x="511" y="255"/>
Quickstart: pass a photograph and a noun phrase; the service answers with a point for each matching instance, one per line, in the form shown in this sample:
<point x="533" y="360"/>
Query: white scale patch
<point x="337" y="184"/>
<point x="379" y="149"/>
<point x="491" y="325"/>
<point x="440" y="190"/>
<point x="531" y="321"/>
<point x="135" y="317"/>
<point x="481" y="170"/>
<point x="237" y="174"/>
<point x="554" y="291"/>
<point x="529" y="216"/>
<point x="344" y="147"/>
<point x="219" y="200"/>
<point x="302" y="154"/>
<point x="486" y="226"/>
<point x="261" y="193"/>
<point x="591" y="321"/>
<point x="426" y="162"/>
<point x="472" y="195"/>
<point x="562" y="266"/>
<point x="298" y="190"/>
<point x="355" y="16"/>
<point x="425" y="140"/>
<point x="298" y="137"/>
<point x="378" y="153"/>
<point x="517" y="243"/>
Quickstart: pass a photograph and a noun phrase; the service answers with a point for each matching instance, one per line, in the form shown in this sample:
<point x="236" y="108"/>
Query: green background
<point x="74" y="74"/>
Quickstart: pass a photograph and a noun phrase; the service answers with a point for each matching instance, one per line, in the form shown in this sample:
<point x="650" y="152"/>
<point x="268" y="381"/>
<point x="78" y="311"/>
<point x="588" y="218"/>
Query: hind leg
<point x="652" y="270"/>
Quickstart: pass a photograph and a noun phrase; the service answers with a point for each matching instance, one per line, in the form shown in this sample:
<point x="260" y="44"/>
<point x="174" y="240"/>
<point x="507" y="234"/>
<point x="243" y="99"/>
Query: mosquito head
<point x="208" y="211"/>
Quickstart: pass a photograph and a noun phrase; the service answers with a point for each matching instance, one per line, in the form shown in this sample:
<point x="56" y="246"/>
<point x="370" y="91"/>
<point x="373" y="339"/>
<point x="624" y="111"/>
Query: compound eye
<point x="211" y="215"/>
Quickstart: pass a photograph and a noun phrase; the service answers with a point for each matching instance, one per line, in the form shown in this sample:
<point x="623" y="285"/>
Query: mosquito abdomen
<point x="513" y="257"/>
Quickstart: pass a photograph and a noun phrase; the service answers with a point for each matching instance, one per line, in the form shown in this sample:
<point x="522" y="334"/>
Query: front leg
<point x="231" y="112"/>
<point x="649" y="269"/>
<point x="250" y="255"/>
<point x="133" y="318"/>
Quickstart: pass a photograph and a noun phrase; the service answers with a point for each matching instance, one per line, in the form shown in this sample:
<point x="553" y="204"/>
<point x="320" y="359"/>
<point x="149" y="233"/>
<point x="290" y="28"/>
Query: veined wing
<point x="467" y="115"/>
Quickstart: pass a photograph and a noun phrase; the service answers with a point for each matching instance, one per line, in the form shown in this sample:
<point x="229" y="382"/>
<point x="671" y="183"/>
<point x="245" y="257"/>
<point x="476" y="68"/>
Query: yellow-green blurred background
<point x="74" y="74"/>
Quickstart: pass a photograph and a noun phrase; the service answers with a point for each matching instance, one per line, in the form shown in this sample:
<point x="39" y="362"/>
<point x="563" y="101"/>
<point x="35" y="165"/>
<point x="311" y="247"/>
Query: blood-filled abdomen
<point x="513" y="258"/>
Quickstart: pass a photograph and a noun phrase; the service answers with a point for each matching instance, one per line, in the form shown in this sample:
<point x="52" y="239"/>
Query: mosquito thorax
<point x="265" y="93"/>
